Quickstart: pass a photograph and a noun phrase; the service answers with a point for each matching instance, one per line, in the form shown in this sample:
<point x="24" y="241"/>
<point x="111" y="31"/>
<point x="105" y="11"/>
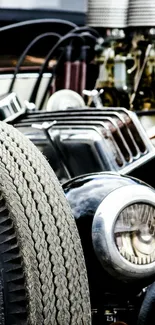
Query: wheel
<point x="42" y="272"/>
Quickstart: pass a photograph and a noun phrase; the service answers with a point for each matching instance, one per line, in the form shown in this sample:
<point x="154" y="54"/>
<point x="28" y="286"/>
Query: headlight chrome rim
<point x="104" y="222"/>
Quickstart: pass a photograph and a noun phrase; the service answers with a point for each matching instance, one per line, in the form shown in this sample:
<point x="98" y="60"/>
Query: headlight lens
<point x="135" y="233"/>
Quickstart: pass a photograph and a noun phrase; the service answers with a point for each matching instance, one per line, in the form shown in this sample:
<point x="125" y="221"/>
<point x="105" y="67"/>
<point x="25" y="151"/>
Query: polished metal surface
<point x="105" y="225"/>
<point x="85" y="193"/>
<point x="97" y="202"/>
<point x="141" y="13"/>
<point x="120" y="14"/>
<point x="92" y="140"/>
<point x="9" y="105"/>
<point x="107" y="13"/>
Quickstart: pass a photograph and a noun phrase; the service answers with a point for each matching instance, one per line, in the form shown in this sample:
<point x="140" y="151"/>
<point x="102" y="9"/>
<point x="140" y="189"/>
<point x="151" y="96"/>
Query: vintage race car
<point x="106" y="276"/>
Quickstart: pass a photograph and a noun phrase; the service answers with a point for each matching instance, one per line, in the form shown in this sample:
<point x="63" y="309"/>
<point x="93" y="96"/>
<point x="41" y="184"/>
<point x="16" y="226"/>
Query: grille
<point x="89" y="140"/>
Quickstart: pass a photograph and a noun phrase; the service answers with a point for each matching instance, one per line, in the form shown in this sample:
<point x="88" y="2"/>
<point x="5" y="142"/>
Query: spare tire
<point x="42" y="271"/>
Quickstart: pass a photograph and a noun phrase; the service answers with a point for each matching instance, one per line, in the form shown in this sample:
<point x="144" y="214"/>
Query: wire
<point x="54" y="72"/>
<point x="49" y="82"/>
<point x="23" y="55"/>
<point x="84" y="34"/>
<point x="37" y="21"/>
<point x="49" y="55"/>
<point x="86" y="29"/>
<point x="88" y="35"/>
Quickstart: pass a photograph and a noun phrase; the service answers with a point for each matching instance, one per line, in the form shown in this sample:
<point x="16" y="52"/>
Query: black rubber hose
<point x="147" y="311"/>
<point x="23" y="55"/>
<point x="49" y="56"/>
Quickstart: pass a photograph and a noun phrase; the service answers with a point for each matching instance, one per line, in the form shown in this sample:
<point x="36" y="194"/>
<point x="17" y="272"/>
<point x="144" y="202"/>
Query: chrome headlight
<point x="123" y="232"/>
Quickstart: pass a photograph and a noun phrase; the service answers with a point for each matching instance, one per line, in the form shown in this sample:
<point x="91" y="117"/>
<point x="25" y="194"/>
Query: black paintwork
<point x="84" y="195"/>
<point x="86" y="192"/>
